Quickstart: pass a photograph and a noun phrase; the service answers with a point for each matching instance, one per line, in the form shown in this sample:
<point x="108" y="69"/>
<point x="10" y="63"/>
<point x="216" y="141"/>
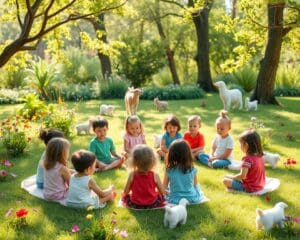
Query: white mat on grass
<point x="271" y="185"/>
<point x="121" y="204"/>
<point x="235" y="165"/>
<point x="29" y="185"/>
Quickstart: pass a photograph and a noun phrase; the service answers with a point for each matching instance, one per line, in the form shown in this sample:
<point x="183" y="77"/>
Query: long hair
<point x="180" y="156"/>
<point x="253" y="140"/>
<point x="142" y="158"/>
<point x="174" y="121"/>
<point x="57" y="151"/>
<point x="82" y="160"/>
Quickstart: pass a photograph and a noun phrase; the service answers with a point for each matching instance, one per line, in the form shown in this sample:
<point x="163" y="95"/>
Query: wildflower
<point x="90" y="208"/>
<point x="113" y="221"/>
<point x="21" y="213"/>
<point x="116" y="230"/>
<point x="123" y="234"/>
<point x="7" y="163"/>
<point x="3" y="173"/>
<point x="253" y="119"/>
<point x="268" y="198"/>
<point x="296" y="219"/>
<point x="89" y="216"/>
<point x="290" y="136"/>
<point x="75" y="229"/>
<point x="9" y="212"/>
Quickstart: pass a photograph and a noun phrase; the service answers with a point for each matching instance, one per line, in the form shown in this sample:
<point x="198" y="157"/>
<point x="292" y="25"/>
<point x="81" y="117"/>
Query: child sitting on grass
<point x="84" y="191"/>
<point x="252" y="175"/>
<point x="104" y="148"/>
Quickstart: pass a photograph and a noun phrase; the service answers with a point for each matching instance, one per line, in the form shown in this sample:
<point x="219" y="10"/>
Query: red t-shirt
<point x="255" y="179"/>
<point x="143" y="189"/>
<point x="194" y="142"/>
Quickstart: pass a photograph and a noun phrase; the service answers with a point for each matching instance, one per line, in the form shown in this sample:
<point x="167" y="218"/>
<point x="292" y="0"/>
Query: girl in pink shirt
<point x="134" y="134"/>
<point x="252" y="175"/>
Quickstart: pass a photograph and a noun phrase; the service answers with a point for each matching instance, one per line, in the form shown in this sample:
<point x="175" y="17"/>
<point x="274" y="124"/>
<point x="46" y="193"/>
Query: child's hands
<point x="111" y="187"/>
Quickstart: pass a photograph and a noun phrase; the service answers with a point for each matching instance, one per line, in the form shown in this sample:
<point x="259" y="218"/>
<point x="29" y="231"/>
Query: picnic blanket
<point x="271" y="185"/>
<point x="122" y="205"/>
<point x="29" y="185"/>
<point x="235" y="165"/>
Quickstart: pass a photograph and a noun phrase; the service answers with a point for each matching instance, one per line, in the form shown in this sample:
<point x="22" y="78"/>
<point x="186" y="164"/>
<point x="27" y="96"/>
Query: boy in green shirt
<point x="104" y="148"/>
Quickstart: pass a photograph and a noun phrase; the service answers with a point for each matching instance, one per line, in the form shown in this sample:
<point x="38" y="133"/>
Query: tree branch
<point x="175" y="3"/>
<point x="18" y="14"/>
<point x="171" y="14"/>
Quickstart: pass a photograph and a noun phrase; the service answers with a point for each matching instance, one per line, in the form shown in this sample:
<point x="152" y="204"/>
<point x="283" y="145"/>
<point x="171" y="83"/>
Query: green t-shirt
<point x="102" y="149"/>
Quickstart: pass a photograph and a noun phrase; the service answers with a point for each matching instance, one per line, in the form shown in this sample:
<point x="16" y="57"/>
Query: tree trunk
<point x="264" y="90"/>
<point x="168" y="50"/>
<point x="104" y="59"/>
<point x="200" y="20"/>
<point x="233" y="10"/>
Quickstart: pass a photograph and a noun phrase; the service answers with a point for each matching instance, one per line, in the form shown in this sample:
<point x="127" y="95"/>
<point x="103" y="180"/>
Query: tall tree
<point x="264" y="90"/>
<point x="38" y="18"/>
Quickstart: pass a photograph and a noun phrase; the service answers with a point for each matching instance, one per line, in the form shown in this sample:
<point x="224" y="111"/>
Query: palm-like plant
<point x="41" y="75"/>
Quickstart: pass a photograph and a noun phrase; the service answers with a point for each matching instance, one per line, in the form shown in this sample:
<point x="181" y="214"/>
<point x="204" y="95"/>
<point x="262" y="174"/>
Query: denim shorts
<point x="237" y="185"/>
<point x="40" y="185"/>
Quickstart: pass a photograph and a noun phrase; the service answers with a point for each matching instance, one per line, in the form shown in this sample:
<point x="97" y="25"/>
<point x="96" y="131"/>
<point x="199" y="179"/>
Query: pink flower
<point x="3" y="173"/>
<point x="123" y="234"/>
<point x="296" y="219"/>
<point x="113" y="221"/>
<point x="75" y="229"/>
<point x="7" y="163"/>
<point x="9" y="212"/>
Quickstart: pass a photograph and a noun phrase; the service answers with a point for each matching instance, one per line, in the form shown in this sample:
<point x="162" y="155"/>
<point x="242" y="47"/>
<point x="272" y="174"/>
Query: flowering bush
<point x="259" y="127"/>
<point x="290" y="163"/>
<point x="101" y="228"/>
<point x="19" y="221"/>
<point x="60" y="117"/>
<point x="15" y="135"/>
<point x="5" y="173"/>
<point x="289" y="224"/>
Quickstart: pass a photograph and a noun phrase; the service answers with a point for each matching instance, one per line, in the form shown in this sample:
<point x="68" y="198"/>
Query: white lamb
<point x="107" y="109"/>
<point x="232" y="97"/>
<point x="250" y="105"/>
<point x="132" y="100"/>
<point x="84" y="127"/>
<point x="160" y="105"/>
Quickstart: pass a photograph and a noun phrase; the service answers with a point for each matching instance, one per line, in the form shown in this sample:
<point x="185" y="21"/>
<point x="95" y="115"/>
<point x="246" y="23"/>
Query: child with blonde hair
<point x="181" y="175"/>
<point x="194" y="138"/>
<point x="45" y="136"/>
<point x="134" y="133"/>
<point x="252" y="175"/>
<point x="84" y="191"/>
<point x="56" y="173"/>
<point x="143" y="189"/>
<point x="172" y="128"/>
<point x="221" y="150"/>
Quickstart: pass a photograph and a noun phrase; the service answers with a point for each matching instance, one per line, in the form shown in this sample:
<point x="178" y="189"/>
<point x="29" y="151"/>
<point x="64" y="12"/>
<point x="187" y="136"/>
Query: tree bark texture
<point x="99" y="25"/>
<point x="200" y="20"/>
<point x="264" y="90"/>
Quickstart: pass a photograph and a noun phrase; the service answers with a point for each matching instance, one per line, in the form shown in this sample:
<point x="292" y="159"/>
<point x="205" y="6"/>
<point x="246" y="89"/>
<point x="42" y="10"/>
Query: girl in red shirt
<point x="143" y="189"/>
<point x="252" y="175"/>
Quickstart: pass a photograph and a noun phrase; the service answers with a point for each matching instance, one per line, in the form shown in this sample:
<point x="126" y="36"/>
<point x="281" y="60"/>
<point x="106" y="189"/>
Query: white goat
<point x="160" y="105"/>
<point x="132" y="100"/>
<point x="107" y="109"/>
<point x="250" y="105"/>
<point x="229" y="97"/>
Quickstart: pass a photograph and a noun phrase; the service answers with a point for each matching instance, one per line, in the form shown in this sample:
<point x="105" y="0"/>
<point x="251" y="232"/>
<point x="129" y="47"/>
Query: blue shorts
<point x="238" y="185"/>
<point x="40" y="185"/>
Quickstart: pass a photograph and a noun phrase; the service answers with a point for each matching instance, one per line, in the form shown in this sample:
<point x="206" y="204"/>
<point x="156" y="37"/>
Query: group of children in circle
<point x="144" y="188"/>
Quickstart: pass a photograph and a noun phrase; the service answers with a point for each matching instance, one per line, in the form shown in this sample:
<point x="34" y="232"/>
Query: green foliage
<point x="115" y="87"/>
<point x="32" y="107"/>
<point x="246" y="78"/>
<point x="15" y="79"/>
<point x="172" y="92"/>
<point x="140" y="60"/>
<point x="14" y="135"/>
<point x="60" y="117"/>
<point x="40" y="77"/>
<point x="287" y="82"/>
<point x="12" y="95"/>
<point x="285" y="91"/>
<point x="79" y="68"/>
<point x="77" y="92"/>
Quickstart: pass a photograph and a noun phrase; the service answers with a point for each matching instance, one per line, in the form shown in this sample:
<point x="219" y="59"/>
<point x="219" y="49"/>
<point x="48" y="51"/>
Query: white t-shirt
<point x="222" y="144"/>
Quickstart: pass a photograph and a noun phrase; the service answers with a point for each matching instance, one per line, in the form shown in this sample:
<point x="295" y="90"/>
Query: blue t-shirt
<point x="102" y="149"/>
<point x="181" y="185"/>
<point x="169" y="139"/>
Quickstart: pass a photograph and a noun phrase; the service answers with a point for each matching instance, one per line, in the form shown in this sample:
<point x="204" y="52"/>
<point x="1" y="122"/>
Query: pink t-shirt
<point x="133" y="141"/>
<point x="255" y="179"/>
<point x="55" y="187"/>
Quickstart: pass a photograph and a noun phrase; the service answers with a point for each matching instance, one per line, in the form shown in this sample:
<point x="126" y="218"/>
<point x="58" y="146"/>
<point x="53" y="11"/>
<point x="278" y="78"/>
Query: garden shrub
<point x="32" y="107"/>
<point x="246" y="78"/>
<point x="113" y="88"/>
<point x="172" y="92"/>
<point x="76" y="92"/>
<point x="287" y="82"/>
<point x="60" y="117"/>
<point x="285" y="92"/>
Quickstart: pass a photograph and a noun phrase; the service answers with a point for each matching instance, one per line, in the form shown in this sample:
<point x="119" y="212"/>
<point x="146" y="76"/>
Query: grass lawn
<point x="226" y="216"/>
